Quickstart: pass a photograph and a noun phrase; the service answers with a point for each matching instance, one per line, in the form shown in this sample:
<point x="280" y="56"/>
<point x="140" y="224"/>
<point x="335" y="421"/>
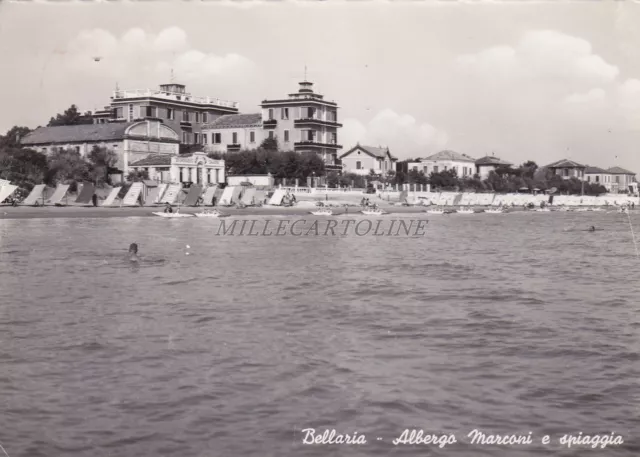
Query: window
<point x="425" y="169"/>
<point x="358" y="165"/>
<point x="185" y="116"/>
<point x="149" y="111"/>
<point x="334" y="138"/>
<point x="311" y="113"/>
<point x="120" y="113"/>
<point x="204" y="138"/>
<point x="197" y="117"/>
<point x="234" y="135"/>
<point x="78" y="149"/>
<point x="617" y="179"/>
<point x="130" y="112"/>
<point x="205" y="117"/>
<point x="435" y="169"/>
<point x="271" y="134"/>
<point x="217" y="138"/>
<point x="566" y="172"/>
<point x="597" y="178"/>
<point x="196" y="138"/>
<point x="270" y="114"/>
<point x="286" y="136"/>
<point x="170" y="114"/>
<point x="285" y="113"/>
<point x="252" y="137"/>
<point x="311" y="135"/>
<point x="185" y="137"/>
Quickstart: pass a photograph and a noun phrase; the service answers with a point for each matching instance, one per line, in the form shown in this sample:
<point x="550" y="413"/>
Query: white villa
<point x="443" y="161"/>
<point x="362" y="160"/>
<point x="194" y="168"/>
<point x="487" y="164"/>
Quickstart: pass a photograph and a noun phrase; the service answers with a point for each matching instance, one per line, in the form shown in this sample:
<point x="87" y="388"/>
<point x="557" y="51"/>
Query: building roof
<point x="595" y="171"/>
<point x="77" y="133"/>
<point x="620" y="171"/>
<point x="492" y="160"/>
<point x="235" y="120"/>
<point x="565" y="163"/>
<point x="450" y="155"/>
<point x="153" y="160"/>
<point x="378" y="152"/>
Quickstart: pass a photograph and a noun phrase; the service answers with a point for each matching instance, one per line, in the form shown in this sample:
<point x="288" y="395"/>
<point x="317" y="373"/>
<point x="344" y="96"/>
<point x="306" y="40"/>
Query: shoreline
<point x="91" y="212"/>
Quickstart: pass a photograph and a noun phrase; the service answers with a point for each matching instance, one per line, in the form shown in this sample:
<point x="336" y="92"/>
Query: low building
<point x="233" y="132"/>
<point x="362" y="160"/>
<point x="622" y="180"/>
<point x="567" y="169"/>
<point x="487" y="164"/>
<point x="443" y="161"/>
<point x="597" y="175"/>
<point x="131" y="141"/>
<point x="195" y="168"/>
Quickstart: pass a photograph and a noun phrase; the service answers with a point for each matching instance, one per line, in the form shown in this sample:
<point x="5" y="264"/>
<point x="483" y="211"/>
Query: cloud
<point x="150" y="53"/>
<point x="402" y="133"/>
<point x="547" y="96"/>
<point x="593" y="96"/>
<point x="542" y="54"/>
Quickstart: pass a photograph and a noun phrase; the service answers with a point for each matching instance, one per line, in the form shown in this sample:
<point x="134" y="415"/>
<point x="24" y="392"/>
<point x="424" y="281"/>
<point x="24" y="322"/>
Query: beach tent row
<point x="149" y="193"/>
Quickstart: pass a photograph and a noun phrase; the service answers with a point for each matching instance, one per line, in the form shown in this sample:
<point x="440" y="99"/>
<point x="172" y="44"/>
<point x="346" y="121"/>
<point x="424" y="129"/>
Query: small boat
<point x="435" y="211"/>
<point x="214" y="213"/>
<point x="465" y="211"/>
<point x="494" y="211"/>
<point x="542" y="210"/>
<point x="373" y="212"/>
<point x="322" y="212"/>
<point x="172" y="215"/>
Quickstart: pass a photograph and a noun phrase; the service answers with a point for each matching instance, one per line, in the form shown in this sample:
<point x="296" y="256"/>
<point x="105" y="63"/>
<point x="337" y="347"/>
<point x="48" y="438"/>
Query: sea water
<point x="514" y="324"/>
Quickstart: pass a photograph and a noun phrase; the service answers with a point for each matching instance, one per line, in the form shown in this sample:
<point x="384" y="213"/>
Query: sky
<point x="535" y="81"/>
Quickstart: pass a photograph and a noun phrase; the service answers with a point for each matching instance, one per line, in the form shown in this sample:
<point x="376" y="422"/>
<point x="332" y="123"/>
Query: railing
<point x="270" y="123"/>
<point x="322" y="190"/>
<point x="234" y="146"/>
<point x="174" y="96"/>
<point x="317" y="143"/>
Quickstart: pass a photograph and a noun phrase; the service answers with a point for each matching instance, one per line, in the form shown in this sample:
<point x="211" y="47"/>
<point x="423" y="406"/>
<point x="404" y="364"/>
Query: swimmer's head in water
<point x="133" y="247"/>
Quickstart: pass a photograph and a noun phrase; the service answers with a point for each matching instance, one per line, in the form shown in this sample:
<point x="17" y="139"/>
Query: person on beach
<point x="94" y="199"/>
<point x="133" y="252"/>
<point x="592" y="229"/>
<point x="168" y="208"/>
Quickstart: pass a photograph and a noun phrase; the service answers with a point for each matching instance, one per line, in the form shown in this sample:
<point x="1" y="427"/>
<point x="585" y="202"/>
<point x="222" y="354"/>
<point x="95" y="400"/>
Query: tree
<point x="67" y="166"/>
<point x="103" y="161"/>
<point x="70" y="117"/>
<point x="269" y="144"/>
<point x="137" y="176"/>
<point x="13" y="136"/>
<point x="23" y="167"/>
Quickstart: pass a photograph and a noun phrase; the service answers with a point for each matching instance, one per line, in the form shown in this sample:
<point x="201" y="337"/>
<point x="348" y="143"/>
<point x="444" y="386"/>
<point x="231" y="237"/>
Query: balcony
<point x="233" y="147"/>
<point x="270" y="124"/>
<point x="316" y="144"/>
<point x="313" y="121"/>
